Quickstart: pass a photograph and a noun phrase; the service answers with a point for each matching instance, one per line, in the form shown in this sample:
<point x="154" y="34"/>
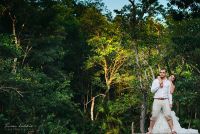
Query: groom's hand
<point x="161" y="84"/>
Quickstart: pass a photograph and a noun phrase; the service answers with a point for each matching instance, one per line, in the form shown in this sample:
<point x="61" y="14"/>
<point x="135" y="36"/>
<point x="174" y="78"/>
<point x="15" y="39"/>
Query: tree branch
<point x="132" y="2"/>
<point x="11" y="88"/>
<point x="195" y="68"/>
<point x="95" y="98"/>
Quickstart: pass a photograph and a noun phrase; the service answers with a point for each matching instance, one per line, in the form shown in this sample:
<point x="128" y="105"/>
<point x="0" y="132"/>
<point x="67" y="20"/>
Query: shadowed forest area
<point x="70" y="67"/>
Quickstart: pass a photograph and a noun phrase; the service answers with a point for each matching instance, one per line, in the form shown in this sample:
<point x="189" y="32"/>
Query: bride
<point x="161" y="126"/>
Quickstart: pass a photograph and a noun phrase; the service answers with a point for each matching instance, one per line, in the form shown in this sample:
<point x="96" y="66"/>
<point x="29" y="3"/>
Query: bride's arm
<point x="170" y="100"/>
<point x="172" y="88"/>
<point x="170" y="95"/>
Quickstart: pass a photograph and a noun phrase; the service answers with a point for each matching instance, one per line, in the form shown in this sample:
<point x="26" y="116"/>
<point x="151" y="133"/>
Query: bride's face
<point x="172" y="77"/>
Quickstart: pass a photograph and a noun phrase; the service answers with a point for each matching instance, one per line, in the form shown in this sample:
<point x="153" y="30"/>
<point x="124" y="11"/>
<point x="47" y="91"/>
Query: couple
<point x="163" y="120"/>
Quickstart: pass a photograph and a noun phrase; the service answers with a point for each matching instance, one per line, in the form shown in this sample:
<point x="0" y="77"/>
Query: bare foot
<point x="149" y="131"/>
<point x="174" y="132"/>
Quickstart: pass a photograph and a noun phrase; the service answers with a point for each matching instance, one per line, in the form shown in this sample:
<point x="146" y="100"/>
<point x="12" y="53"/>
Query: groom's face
<point x="162" y="73"/>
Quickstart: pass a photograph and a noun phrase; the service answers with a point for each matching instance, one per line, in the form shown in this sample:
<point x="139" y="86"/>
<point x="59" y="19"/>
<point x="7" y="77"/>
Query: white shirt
<point x="163" y="92"/>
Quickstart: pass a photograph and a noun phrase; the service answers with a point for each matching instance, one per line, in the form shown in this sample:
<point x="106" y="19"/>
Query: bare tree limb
<point x="128" y="88"/>
<point x="92" y="105"/>
<point x="11" y="88"/>
<point x="92" y="109"/>
<point x="95" y="97"/>
<point x="132" y="2"/>
<point x="195" y="68"/>
<point x="151" y="69"/>
<point x="28" y="49"/>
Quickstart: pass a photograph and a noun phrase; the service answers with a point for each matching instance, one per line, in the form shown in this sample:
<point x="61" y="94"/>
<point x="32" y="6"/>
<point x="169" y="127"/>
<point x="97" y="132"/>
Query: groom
<point x="161" y="89"/>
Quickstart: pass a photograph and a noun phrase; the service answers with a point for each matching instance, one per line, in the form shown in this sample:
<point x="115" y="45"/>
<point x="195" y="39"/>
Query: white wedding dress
<point x="161" y="126"/>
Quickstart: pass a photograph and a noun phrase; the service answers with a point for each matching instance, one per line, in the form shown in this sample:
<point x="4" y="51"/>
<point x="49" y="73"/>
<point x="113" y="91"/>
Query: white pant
<point x="157" y="106"/>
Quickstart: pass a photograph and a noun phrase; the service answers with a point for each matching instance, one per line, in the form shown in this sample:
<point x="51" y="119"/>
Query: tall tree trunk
<point x="107" y="92"/>
<point x="143" y="113"/>
<point x="139" y="75"/>
<point x="132" y="128"/>
<point x="92" y="108"/>
<point x="14" y="67"/>
<point x="13" y="18"/>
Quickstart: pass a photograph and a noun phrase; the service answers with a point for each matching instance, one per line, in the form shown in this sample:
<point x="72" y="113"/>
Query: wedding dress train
<point x="161" y="126"/>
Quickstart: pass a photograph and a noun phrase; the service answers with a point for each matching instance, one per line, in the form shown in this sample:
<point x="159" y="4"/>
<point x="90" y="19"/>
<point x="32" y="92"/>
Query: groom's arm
<point x="155" y="86"/>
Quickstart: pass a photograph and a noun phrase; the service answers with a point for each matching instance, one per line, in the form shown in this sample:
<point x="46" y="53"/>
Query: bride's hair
<point x="174" y="78"/>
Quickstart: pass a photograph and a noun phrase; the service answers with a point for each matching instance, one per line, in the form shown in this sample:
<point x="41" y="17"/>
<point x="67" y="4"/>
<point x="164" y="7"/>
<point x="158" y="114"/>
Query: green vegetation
<point x="68" y="67"/>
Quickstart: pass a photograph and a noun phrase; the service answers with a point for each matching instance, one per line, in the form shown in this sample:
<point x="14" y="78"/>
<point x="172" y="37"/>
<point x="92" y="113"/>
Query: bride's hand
<point x="170" y="105"/>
